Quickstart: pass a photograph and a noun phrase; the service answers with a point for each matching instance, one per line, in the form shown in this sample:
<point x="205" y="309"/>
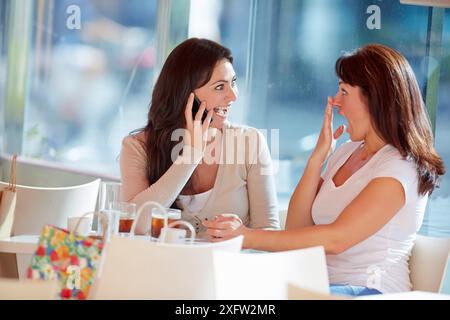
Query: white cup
<point x="84" y="228"/>
<point x="172" y="235"/>
<point x="175" y="235"/>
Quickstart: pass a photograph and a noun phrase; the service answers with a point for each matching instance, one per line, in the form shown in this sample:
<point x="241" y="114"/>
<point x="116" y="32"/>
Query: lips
<point x="222" y="111"/>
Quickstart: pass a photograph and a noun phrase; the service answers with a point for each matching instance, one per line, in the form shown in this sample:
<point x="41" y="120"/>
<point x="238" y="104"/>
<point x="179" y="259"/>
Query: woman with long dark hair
<point x="181" y="159"/>
<point x="368" y="204"/>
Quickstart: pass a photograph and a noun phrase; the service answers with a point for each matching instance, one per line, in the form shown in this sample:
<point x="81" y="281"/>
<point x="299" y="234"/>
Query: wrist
<point x="316" y="160"/>
<point x="248" y="234"/>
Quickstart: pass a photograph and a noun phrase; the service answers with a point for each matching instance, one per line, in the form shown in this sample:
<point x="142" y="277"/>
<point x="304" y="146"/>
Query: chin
<point x="217" y="122"/>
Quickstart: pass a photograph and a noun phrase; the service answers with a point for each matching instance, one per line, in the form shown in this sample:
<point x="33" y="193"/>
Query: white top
<point x="380" y="261"/>
<point x="193" y="203"/>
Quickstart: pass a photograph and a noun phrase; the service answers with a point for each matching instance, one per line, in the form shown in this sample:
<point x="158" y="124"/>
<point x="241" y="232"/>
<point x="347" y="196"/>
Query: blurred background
<point x="76" y="76"/>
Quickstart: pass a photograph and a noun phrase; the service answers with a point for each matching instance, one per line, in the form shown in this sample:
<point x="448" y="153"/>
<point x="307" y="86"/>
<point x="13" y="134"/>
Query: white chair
<point x="282" y="215"/>
<point x="427" y="262"/>
<point x="38" y="206"/>
<point x="266" y="275"/>
<point x="139" y="269"/>
<point x="445" y="283"/>
<point x="28" y="290"/>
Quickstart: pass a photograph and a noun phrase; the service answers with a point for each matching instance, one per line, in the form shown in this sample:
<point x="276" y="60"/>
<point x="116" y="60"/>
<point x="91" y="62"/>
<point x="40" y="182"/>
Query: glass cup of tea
<point x="158" y="220"/>
<point x="127" y="216"/>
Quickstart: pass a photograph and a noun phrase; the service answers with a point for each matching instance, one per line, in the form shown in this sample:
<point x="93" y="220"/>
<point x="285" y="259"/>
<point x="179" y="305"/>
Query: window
<point x="89" y="71"/>
<point x="437" y="219"/>
<point x="293" y="68"/>
<point x="71" y="94"/>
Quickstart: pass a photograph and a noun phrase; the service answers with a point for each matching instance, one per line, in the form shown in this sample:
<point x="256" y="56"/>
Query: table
<point x="23" y="244"/>
<point x="16" y="253"/>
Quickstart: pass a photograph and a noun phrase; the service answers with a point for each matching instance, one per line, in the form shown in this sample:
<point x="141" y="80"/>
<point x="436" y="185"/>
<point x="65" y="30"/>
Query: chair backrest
<point x="140" y="269"/>
<point x="37" y="206"/>
<point x="266" y="275"/>
<point x="282" y="214"/>
<point x="444" y="288"/>
<point x="427" y="262"/>
<point x="12" y="289"/>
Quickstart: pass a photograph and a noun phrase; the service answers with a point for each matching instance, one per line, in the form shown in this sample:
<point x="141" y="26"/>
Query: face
<point x="220" y="92"/>
<point x="353" y="107"/>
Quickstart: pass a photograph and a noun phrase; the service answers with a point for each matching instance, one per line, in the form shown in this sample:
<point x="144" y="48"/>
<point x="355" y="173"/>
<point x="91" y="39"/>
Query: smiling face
<point x="352" y="105"/>
<point x="220" y="92"/>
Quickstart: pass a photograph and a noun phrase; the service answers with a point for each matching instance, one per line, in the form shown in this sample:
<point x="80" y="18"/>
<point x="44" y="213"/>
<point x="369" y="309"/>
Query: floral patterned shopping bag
<point x="71" y="258"/>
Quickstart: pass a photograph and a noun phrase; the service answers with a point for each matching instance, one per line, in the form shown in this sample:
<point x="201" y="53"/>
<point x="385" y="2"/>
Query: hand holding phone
<point x="195" y="107"/>
<point x="194" y="128"/>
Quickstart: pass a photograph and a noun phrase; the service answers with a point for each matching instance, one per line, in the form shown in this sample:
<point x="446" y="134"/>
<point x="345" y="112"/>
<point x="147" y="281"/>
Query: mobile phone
<point x="195" y="107"/>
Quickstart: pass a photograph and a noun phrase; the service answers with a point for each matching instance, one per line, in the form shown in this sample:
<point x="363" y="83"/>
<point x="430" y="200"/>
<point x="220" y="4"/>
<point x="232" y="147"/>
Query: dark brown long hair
<point x="189" y="66"/>
<point x="396" y="107"/>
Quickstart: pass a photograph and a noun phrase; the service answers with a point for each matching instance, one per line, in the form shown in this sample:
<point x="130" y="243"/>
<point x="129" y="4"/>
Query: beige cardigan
<point x="243" y="186"/>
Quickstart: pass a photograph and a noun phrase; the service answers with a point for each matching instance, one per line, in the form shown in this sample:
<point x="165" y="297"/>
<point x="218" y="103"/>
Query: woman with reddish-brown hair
<point x="368" y="204"/>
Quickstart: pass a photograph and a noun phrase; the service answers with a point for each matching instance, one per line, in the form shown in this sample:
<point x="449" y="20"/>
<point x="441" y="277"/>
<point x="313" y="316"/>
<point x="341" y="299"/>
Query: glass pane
<point x="91" y="71"/>
<point x="225" y="21"/>
<point x="437" y="220"/>
<point x="306" y="37"/>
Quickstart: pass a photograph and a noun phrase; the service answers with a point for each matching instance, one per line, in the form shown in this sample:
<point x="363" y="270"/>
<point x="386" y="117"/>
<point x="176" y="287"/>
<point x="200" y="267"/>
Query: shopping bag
<point x="70" y="258"/>
<point x="8" y="197"/>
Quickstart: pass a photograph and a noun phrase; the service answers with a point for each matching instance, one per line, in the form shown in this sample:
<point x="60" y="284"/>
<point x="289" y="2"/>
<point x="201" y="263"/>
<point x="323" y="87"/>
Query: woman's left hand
<point x="224" y="227"/>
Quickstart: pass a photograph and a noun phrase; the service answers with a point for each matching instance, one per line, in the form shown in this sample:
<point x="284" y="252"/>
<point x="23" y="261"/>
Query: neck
<point x="372" y="143"/>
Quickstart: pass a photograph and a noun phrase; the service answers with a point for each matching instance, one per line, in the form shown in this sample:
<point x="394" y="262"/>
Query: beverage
<point x="157" y="222"/>
<point x="127" y="216"/>
<point x="125" y="224"/>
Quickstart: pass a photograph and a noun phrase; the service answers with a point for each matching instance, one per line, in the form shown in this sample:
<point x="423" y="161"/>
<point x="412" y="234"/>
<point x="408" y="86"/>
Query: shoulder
<point x="391" y="160"/>
<point x="134" y="143"/>
<point x="391" y="164"/>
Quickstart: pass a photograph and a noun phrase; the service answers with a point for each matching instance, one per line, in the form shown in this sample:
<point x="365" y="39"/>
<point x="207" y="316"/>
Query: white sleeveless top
<point x="380" y="261"/>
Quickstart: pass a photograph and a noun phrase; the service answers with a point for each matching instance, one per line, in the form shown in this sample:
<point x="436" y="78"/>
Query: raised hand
<point x="327" y="139"/>
<point x="197" y="134"/>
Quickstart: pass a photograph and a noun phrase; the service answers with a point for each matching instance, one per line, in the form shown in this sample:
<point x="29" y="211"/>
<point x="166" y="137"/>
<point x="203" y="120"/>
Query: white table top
<point x="23" y="244"/>
<point x="27" y="244"/>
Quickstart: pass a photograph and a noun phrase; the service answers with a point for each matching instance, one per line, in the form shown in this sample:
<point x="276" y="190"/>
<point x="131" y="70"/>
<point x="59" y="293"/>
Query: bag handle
<point x="103" y="221"/>
<point x="141" y="209"/>
<point x="183" y="223"/>
<point x="12" y="174"/>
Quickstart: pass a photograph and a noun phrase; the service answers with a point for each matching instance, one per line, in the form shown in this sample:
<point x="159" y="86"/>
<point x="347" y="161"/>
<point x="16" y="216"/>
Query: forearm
<point x="169" y="185"/>
<point x="272" y="240"/>
<point x="164" y="191"/>
<point x="299" y="212"/>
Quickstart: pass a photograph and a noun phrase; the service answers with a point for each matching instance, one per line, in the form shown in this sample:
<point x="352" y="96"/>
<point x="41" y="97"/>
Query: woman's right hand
<point x="327" y="139"/>
<point x="197" y="132"/>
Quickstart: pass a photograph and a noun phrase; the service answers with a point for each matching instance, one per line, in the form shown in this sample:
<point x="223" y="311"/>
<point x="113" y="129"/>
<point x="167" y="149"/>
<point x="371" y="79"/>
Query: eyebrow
<point x="224" y="81"/>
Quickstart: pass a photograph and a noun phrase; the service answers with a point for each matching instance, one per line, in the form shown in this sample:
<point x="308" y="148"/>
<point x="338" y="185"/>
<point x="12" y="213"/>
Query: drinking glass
<point x="127" y="216"/>
<point x="158" y="220"/>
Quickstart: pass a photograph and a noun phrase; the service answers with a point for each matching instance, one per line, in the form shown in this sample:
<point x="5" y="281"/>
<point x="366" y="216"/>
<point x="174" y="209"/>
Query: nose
<point x="337" y="100"/>
<point x="231" y="94"/>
